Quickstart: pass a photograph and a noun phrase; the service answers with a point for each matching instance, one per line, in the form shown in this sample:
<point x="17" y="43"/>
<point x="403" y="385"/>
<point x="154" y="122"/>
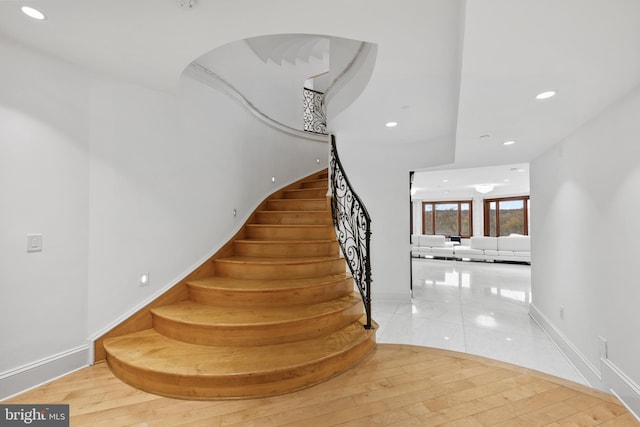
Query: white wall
<point x="380" y="175"/>
<point x="119" y="179"/>
<point x="44" y="188"/>
<point x="585" y="248"/>
<point x="166" y="174"/>
<point x="274" y="89"/>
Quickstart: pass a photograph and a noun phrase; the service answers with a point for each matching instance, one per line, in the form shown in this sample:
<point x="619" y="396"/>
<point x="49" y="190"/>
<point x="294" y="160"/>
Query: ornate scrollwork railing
<point x="315" y="116"/>
<point x="353" y="228"/>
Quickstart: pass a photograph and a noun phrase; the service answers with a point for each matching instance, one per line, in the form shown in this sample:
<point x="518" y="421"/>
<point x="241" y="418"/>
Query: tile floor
<point x="473" y="307"/>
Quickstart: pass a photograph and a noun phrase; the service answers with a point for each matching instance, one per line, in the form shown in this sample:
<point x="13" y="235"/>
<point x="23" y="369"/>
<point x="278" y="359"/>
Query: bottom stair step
<point x="160" y="365"/>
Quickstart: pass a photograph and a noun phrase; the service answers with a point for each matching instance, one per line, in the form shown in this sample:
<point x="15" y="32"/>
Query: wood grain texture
<point x="293" y="217"/>
<point x="158" y="364"/>
<point x="232" y="292"/>
<point x="142" y="319"/>
<point x="286" y="248"/>
<point x="259" y="268"/>
<point x="223" y="326"/>
<point x="396" y="385"/>
<point x="290" y="232"/>
<point x="227" y="339"/>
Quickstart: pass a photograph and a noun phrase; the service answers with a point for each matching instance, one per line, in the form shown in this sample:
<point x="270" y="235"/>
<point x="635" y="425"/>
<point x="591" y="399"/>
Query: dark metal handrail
<point x="353" y="228"/>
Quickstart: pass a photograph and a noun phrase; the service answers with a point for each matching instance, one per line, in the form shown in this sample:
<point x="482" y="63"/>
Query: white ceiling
<point x="445" y="68"/>
<point x="459" y="184"/>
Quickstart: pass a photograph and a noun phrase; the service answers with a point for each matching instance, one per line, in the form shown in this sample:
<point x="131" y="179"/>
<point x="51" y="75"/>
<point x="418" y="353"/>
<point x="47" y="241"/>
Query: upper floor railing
<point x="353" y="228"/>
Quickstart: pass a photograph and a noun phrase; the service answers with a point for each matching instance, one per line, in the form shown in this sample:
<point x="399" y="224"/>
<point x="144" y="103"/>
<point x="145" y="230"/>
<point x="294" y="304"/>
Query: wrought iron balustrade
<point x="353" y="228"/>
<point x="315" y="116"/>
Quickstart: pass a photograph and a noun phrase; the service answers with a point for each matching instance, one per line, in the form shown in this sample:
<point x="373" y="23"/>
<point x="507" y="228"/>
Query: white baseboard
<point x="589" y="372"/>
<point x="29" y="376"/>
<point x="621" y="386"/>
<point x="608" y="378"/>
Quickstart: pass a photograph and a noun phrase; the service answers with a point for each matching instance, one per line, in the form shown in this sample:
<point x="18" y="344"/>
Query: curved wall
<point x="119" y="179"/>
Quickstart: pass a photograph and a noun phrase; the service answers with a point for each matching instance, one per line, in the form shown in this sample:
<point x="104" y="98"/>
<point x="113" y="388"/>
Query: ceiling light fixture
<point x="484" y="188"/>
<point x="391" y="124"/>
<point x="547" y="94"/>
<point x="33" y="13"/>
<point x="509" y="142"/>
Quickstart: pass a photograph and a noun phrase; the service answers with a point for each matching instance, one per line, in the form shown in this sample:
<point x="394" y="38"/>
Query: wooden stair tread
<point x="289" y="225"/>
<point x="300" y="212"/>
<point x="312" y="199"/>
<point x="297" y="204"/>
<point x="276" y="261"/>
<point x="285" y="242"/>
<point x="150" y="351"/>
<point x="248" y="285"/>
<point x="202" y="314"/>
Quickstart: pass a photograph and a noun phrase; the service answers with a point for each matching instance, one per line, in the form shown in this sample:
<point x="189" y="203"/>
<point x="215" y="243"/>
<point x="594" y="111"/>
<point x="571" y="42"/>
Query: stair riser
<point x="292" y="232"/>
<point x="258" y="334"/>
<point x="271" y="298"/>
<point x="294" y="218"/>
<point x="253" y="270"/>
<point x="208" y="387"/>
<point x="297" y="205"/>
<point x="321" y="183"/>
<point x="283" y="249"/>
<point x="306" y="193"/>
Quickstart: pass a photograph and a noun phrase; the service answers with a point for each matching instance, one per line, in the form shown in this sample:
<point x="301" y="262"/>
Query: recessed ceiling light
<point x="484" y="188"/>
<point x="546" y="94"/>
<point x="507" y="180"/>
<point x="509" y="142"/>
<point x="391" y="124"/>
<point x="32" y="13"/>
<point x="445" y="180"/>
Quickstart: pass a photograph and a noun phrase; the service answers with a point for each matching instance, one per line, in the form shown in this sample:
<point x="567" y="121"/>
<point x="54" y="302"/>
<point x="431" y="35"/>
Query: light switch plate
<point x="34" y="242"/>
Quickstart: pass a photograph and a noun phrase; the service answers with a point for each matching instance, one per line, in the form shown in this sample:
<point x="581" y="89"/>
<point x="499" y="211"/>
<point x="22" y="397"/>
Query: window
<point x="503" y="217"/>
<point x="447" y="218"/>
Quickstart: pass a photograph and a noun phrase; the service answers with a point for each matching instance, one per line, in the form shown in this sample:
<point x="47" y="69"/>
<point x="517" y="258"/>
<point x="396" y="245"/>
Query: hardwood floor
<point x="397" y="385"/>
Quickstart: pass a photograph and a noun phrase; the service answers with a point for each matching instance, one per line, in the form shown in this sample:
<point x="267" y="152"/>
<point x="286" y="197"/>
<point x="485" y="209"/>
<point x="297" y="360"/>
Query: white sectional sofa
<point x="515" y="248"/>
<point x="424" y="245"/>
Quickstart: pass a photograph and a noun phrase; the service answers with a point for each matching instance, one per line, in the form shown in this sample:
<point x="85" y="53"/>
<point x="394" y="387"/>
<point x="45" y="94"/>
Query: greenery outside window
<point x="505" y="216"/>
<point x="447" y="218"/>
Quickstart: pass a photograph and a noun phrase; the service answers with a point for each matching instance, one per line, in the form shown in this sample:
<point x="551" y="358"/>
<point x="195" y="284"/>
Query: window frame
<point x="448" y="202"/>
<point x="497" y="200"/>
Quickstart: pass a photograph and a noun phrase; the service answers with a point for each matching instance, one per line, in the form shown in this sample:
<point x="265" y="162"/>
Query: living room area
<point x="471" y="270"/>
<point x="480" y="214"/>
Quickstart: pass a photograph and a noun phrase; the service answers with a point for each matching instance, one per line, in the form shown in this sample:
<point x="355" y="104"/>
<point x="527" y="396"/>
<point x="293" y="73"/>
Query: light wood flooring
<point x="397" y="385"/>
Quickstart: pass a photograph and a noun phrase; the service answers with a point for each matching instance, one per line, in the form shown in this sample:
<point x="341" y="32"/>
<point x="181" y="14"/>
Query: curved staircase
<point x="275" y="312"/>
